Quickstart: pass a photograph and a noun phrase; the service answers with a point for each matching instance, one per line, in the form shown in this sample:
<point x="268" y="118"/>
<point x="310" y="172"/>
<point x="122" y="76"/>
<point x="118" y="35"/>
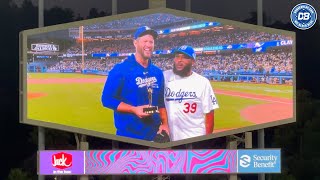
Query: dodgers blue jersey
<point x="128" y="82"/>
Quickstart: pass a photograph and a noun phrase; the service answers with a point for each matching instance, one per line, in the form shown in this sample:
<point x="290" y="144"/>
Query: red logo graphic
<point x="61" y="160"/>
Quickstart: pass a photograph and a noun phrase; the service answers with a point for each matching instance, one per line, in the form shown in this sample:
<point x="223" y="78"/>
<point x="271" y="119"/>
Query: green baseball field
<point x="74" y="100"/>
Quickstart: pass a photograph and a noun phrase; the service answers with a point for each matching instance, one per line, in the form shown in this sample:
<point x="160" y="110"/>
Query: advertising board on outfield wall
<point x="250" y="71"/>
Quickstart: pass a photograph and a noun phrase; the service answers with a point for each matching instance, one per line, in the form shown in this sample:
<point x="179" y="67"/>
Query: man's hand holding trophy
<point x="151" y="109"/>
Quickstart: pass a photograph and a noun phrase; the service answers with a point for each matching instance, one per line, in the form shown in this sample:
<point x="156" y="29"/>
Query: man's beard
<point x="184" y="72"/>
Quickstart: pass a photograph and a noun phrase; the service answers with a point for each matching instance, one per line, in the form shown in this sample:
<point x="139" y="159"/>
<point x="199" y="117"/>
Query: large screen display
<point x="199" y="77"/>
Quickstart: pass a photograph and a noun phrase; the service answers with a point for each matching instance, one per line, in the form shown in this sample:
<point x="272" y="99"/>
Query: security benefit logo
<point x="259" y="161"/>
<point x="303" y="16"/>
<point x="245" y="161"/>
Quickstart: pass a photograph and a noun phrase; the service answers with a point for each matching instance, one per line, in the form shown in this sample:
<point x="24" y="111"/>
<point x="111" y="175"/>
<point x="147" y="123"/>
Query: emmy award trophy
<point x="151" y="109"/>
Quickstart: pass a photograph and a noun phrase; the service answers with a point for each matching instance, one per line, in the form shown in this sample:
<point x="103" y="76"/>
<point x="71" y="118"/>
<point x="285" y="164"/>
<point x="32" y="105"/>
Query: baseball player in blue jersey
<point x="126" y="91"/>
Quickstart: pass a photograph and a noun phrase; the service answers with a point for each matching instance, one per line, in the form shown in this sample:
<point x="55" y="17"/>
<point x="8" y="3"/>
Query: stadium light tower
<point x="41" y="130"/>
<point x="114" y="7"/>
<point x="260" y="131"/>
<point x="82" y="47"/>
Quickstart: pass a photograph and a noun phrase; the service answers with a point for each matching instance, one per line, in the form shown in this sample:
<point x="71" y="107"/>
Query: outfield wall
<point x="255" y="78"/>
<point x="269" y="79"/>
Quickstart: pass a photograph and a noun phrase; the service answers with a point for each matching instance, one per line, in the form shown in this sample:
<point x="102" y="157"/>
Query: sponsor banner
<point x="88" y="71"/>
<point x="67" y="70"/>
<point x="73" y="55"/>
<point x="53" y="71"/>
<point x="99" y="55"/>
<point x="103" y="73"/>
<point x="259" y="161"/>
<point x="161" y="162"/>
<point x="106" y="162"/>
<point x="61" y="162"/>
<point x="196" y="26"/>
<point x="44" y="47"/>
<point x="256" y="47"/>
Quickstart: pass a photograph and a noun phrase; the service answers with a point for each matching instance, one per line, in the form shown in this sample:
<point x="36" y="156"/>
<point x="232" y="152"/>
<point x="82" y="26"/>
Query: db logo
<point x="61" y="160"/>
<point x="245" y="161"/>
<point x="303" y="16"/>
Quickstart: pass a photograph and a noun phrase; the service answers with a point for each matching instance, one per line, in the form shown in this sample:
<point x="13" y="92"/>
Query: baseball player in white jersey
<point x="189" y="98"/>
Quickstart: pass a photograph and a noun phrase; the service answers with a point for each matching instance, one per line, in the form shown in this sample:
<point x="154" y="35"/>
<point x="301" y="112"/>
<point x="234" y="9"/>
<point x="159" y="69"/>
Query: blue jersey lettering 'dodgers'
<point x="127" y="87"/>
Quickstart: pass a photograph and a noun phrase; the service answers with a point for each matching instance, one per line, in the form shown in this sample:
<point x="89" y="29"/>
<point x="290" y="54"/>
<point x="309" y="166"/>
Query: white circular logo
<point x="245" y="161"/>
<point x="303" y="16"/>
<point x="184" y="47"/>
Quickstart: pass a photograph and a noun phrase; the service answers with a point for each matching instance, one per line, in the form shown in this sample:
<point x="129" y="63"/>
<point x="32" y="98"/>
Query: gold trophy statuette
<point x="151" y="109"/>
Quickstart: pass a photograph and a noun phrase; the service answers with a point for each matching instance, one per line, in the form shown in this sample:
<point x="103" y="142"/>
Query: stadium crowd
<point x="273" y="62"/>
<point x="153" y="20"/>
<point x="207" y="38"/>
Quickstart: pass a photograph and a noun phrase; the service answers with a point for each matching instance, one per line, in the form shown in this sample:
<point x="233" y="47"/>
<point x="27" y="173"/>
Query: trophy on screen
<point x="151" y="109"/>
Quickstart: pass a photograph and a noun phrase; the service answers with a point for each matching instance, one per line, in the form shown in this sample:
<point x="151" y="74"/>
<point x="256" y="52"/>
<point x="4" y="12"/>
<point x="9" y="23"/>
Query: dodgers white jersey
<point x="187" y="101"/>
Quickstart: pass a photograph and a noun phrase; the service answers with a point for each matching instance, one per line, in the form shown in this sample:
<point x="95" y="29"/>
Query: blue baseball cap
<point x="187" y="50"/>
<point x="143" y="30"/>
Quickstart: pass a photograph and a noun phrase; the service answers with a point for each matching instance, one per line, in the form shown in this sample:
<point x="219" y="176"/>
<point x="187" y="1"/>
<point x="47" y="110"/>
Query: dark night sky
<point x="276" y="10"/>
<point x="239" y="10"/>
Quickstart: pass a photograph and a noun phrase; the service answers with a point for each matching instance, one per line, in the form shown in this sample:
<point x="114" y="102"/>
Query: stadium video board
<point x="214" y="77"/>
